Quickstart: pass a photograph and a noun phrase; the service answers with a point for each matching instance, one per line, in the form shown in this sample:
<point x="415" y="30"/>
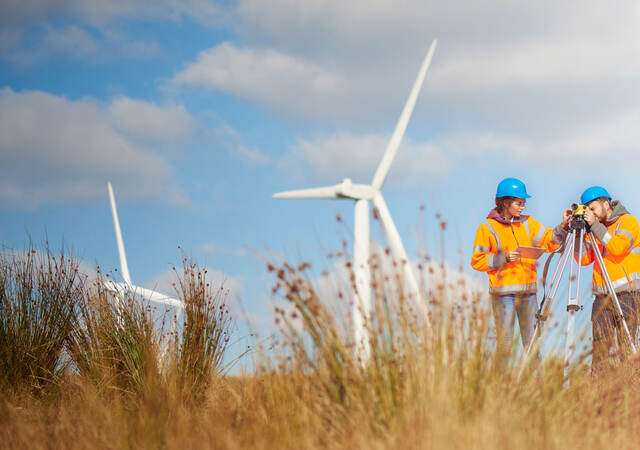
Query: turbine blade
<point x="320" y="192"/>
<point x="117" y="289"/>
<point x="148" y="294"/>
<point x="124" y="268"/>
<point x="397" y="250"/>
<point x="155" y="296"/>
<point x="390" y="230"/>
<point x="113" y="286"/>
<point x="401" y="126"/>
<point x="362" y="273"/>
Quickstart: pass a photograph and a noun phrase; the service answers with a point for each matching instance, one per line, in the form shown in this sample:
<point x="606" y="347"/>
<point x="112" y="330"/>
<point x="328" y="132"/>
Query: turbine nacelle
<point x="347" y="189"/>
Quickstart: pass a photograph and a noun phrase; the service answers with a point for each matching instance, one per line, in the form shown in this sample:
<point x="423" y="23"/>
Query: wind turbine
<point x="127" y="286"/>
<point x="362" y="194"/>
<point x="120" y="289"/>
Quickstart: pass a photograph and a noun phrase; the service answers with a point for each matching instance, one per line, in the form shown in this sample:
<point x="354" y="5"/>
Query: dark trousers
<point x="607" y="325"/>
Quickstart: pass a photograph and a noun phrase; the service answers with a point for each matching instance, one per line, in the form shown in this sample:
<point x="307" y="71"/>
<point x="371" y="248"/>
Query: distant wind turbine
<point x="362" y="194"/>
<point x="127" y="286"/>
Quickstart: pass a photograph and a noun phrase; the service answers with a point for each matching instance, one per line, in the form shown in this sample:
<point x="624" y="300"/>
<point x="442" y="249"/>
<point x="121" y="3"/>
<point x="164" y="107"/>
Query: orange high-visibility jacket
<point x="619" y="243"/>
<point x="495" y="237"/>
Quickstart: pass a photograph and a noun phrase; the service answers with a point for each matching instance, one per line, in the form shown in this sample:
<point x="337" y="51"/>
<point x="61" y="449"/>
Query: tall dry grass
<point x="438" y="387"/>
<point x="115" y="344"/>
<point x="200" y="348"/>
<point x="39" y="296"/>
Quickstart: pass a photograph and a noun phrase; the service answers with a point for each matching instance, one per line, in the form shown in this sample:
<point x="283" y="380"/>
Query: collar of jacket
<point x="493" y="214"/>
<point x="618" y="210"/>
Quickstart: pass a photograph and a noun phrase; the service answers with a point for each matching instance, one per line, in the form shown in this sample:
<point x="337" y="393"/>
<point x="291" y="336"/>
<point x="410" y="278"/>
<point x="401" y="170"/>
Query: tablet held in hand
<point x="531" y="252"/>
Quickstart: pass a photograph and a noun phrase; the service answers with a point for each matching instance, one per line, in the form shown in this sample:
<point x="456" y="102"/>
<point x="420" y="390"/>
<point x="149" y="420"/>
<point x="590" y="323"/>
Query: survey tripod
<point x="574" y="244"/>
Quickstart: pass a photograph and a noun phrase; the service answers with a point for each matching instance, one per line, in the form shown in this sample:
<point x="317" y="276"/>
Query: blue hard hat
<point x="512" y="187"/>
<point x="593" y="193"/>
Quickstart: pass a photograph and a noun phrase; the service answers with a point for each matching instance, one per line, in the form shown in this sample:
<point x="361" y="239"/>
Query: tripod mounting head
<point x="578" y="209"/>
<point x="577" y="217"/>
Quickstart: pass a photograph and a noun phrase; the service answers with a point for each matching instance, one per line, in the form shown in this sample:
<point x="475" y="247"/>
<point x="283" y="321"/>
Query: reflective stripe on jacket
<point x="619" y="244"/>
<point x="494" y="238"/>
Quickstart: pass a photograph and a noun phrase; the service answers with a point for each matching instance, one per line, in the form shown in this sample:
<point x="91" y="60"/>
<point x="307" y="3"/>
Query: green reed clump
<point x="115" y="343"/>
<point x="207" y="327"/>
<point x="39" y="296"/>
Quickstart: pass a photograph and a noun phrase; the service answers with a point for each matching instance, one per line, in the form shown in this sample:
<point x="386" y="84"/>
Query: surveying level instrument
<point x="574" y="243"/>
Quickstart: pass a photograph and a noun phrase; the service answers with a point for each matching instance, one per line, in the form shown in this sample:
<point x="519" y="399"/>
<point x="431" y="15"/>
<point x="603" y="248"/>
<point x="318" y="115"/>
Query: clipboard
<point x="531" y="252"/>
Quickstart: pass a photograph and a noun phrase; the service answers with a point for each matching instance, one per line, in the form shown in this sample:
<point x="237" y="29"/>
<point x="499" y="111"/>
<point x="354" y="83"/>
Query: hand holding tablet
<point x="531" y="252"/>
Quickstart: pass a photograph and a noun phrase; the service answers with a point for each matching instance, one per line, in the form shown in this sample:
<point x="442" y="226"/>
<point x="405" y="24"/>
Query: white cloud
<point x="230" y="139"/>
<point x="212" y="248"/>
<point x="93" y="34"/>
<point x="529" y="82"/>
<point x="395" y="30"/>
<point x="527" y="72"/>
<point x="73" y="40"/>
<point x="117" y="44"/>
<point x="545" y="60"/>
<point x="100" y="12"/>
<point x="252" y="155"/>
<point x="59" y="150"/>
<point x="485" y="47"/>
<point x="614" y="141"/>
<point x="333" y="157"/>
<point x="77" y="42"/>
<point x="268" y="76"/>
<point x="150" y="122"/>
<point x="330" y="158"/>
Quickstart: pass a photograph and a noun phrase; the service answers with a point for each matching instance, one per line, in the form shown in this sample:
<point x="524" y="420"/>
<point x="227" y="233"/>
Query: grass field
<point x="82" y="369"/>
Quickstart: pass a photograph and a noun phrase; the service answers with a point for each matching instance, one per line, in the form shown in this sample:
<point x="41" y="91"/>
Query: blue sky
<point x="198" y="111"/>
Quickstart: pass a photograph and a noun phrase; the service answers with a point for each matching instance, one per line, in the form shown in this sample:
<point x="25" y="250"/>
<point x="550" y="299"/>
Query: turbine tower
<point x="127" y="286"/>
<point x="363" y="194"/>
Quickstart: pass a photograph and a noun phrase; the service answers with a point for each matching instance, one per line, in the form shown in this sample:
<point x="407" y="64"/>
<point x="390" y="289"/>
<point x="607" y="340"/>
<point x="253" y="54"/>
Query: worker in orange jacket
<point x="512" y="278"/>
<point x="618" y="239"/>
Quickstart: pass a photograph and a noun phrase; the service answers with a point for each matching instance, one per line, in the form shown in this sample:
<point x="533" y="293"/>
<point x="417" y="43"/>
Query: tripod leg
<point x="627" y="305"/>
<point x="572" y="304"/>
<point x="612" y="292"/>
<point x="547" y="301"/>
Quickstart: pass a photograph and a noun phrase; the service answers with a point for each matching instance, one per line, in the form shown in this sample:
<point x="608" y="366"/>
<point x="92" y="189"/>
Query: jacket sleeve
<point x="485" y="256"/>
<point x="620" y="243"/>
<point x="559" y="234"/>
<point x="542" y="236"/>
